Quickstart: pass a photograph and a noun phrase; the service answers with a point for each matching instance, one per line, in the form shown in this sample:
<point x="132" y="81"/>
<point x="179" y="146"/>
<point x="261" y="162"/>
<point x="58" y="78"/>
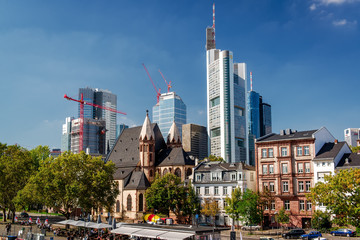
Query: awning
<point x="148" y="233"/>
<point x="175" y="235"/>
<point x="125" y="230"/>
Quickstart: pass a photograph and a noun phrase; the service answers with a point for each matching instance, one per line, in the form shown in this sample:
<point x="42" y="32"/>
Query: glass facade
<point x="170" y="109"/>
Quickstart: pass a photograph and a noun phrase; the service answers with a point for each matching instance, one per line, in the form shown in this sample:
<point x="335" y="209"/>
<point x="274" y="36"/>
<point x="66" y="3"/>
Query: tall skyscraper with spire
<point x="226" y="102"/>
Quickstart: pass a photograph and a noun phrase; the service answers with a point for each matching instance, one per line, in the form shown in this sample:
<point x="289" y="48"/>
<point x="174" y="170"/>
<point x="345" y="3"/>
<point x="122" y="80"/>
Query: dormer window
<point x="198" y="177"/>
<point x="216" y="176"/>
<point x="233" y="176"/>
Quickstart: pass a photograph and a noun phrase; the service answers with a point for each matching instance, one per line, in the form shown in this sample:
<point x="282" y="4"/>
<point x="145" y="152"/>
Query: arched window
<point x="178" y="172"/>
<point x="151" y="173"/>
<point x="117" y="206"/>
<point x="165" y="171"/>
<point x="141" y="202"/>
<point x="188" y="172"/>
<point x="129" y="203"/>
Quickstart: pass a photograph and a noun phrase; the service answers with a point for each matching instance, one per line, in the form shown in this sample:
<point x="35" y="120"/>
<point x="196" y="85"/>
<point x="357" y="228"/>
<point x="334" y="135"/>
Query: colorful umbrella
<point x="151" y="218"/>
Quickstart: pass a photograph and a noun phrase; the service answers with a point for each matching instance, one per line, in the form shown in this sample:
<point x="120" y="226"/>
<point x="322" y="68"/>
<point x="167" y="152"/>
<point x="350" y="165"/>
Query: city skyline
<point x="303" y="55"/>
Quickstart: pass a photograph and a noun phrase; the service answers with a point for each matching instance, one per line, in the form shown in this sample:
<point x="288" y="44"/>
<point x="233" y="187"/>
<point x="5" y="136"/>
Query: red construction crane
<point x="167" y="84"/>
<point x="158" y="91"/>
<point x="82" y="102"/>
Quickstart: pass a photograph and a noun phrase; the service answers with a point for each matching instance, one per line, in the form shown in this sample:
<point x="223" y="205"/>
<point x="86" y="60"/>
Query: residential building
<point x="93" y="136"/>
<point x="352" y="136"/>
<point x="140" y="153"/>
<point x="195" y="140"/>
<point x="349" y="160"/>
<point x="66" y="135"/>
<point x="120" y="128"/>
<point x="285" y="166"/>
<point x="216" y="180"/>
<point x="169" y="109"/>
<point x="226" y="106"/>
<point x="103" y="98"/>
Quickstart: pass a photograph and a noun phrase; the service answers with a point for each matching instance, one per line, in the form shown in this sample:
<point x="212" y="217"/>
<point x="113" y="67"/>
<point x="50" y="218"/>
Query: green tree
<point x="210" y="207"/>
<point x="167" y="194"/>
<point x="340" y="193"/>
<point x="38" y="154"/>
<point x="321" y="220"/>
<point x="71" y="181"/>
<point x="192" y="203"/>
<point x="233" y="208"/>
<point x="16" y="167"/>
<point x="213" y="158"/>
<point x="355" y="149"/>
<point x="282" y="217"/>
<point x="251" y="207"/>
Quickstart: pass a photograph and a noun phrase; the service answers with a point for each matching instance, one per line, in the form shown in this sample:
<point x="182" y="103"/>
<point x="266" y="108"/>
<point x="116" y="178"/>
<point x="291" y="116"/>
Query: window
<point x="285" y="186"/>
<point x="307" y="167"/>
<point x="198" y="177"/>
<point x="216" y="176"/>
<point x="251" y="176"/>
<point x="271" y="152"/>
<point x="302" y="205"/>
<point x="225" y="204"/>
<point x="299" y="151"/>
<point x="284" y="167"/>
<point x="266" y="207"/>
<point x="271" y="169"/>
<point x="272" y="187"/>
<point x="308" y="186"/>
<point x="238" y="111"/>
<point x="301" y="186"/>
<point x="117" y="206"/>
<point x="206" y="190"/>
<point x="233" y="177"/>
<point x="225" y="191"/>
<point x="129" y="203"/>
<point x="216" y="190"/>
<point x="233" y="189"/>
<point x="197" y="190"/>
<point x="239" y="176"/>
<point x="321" y="175"/>
<point x="214" y="102"/>
<point x="263" y="153"/>
<point x="141" y="202"/>
<point x="306" y="151"/>
<point x="284" y="152"/>
<point x="300" y="168"/>
<point x="264" y="169"/>
<point x="272" y="205"/>
<point x="265" y="186"/>
<point x="308" y="205"/>
<point x="287" y="205"/>
<point x="215" y="132"/>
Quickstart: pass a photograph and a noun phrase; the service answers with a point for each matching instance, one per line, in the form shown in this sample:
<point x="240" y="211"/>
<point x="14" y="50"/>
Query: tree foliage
<point x="210" y="207"/>
<point x="233" y="208"/>
<point x="355" y="149"/>
<point x="321" y="220"/>
<point x="70" y="181"/>
<point x="16" y="167"/>
<point x="282" y="216"/>
<point x="340" y="193"/>
<point x="168" y="193"/>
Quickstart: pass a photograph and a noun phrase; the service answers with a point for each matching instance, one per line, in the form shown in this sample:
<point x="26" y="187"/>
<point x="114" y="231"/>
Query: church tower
<point x="147" y="149"/>
<point x="174" y="139"/>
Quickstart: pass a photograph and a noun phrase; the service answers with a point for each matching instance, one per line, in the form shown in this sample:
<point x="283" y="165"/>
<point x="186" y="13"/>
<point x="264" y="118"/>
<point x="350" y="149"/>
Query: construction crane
<point x="158" y="91"/>
<point x="167" y="84"/>
<point x="82" y="102"/>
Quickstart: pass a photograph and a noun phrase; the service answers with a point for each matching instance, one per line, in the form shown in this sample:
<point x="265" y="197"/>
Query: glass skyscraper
<point x="169" y="109"/>
<point x="226" y="106"/>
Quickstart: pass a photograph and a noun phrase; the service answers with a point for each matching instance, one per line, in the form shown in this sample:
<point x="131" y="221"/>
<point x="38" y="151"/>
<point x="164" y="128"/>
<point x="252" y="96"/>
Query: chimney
<point x="336" y="141"/>
<point x="282" y="132"/>
<point x="346" y="162"/>
<point x="288" y="131"/>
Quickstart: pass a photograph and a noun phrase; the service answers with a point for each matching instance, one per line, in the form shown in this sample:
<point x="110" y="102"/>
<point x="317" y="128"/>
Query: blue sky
<point x="304" y="55"/>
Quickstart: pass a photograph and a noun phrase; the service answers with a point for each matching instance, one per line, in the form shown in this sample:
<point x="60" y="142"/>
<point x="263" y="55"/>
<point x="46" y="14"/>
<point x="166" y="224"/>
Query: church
<point x="140" y="153"/>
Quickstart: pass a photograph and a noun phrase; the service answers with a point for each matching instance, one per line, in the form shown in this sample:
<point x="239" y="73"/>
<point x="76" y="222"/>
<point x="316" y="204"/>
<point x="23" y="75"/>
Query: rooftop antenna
<point x="213" y="26"/>
<point x="251" y="88"/>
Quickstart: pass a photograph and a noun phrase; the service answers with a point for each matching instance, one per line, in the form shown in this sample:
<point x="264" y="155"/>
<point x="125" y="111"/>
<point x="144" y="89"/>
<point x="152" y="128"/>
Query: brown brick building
<point x="284" y="166"/>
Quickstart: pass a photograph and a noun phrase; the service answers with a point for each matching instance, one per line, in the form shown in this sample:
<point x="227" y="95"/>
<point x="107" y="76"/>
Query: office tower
<point x="226" y="104"/>
<point x="265" y="118"/>
<point x="169" y="109"/>
<point x="66" y="135"/>
<point x="254" y="113"/>
<point x="94" y="136"/>
<point x="103" y="98"/>
<point x="195" y="140"/>
<point x="120" y="128"/>
<point x="351" y="136"/>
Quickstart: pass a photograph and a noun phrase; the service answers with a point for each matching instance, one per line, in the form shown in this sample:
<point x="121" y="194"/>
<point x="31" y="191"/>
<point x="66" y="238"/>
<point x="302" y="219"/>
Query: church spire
<point x="146" y="130"/>
<point x="174" y="135"/>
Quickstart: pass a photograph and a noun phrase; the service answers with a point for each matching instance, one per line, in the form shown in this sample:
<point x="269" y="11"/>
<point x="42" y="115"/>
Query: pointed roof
<point x="174" y="135"/>
<point x="147" y="130"/>
<point x="137" y="181"/>
<point x="175" y="156"/>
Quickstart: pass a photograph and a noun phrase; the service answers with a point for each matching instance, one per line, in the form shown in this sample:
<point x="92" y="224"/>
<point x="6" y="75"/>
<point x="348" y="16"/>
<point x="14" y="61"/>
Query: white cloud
<point x="313" y="7"/>
<point x="337" y="2"/>
<point x="343" y="22"/>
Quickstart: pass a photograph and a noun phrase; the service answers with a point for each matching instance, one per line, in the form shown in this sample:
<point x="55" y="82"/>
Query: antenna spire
<point x="213" y="26"/>
<point x="251" y="88"/>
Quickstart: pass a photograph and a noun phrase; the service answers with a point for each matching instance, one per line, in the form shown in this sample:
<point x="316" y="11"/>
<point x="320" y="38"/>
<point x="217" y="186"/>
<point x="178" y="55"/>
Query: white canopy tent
<point x="152" y="233"/>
